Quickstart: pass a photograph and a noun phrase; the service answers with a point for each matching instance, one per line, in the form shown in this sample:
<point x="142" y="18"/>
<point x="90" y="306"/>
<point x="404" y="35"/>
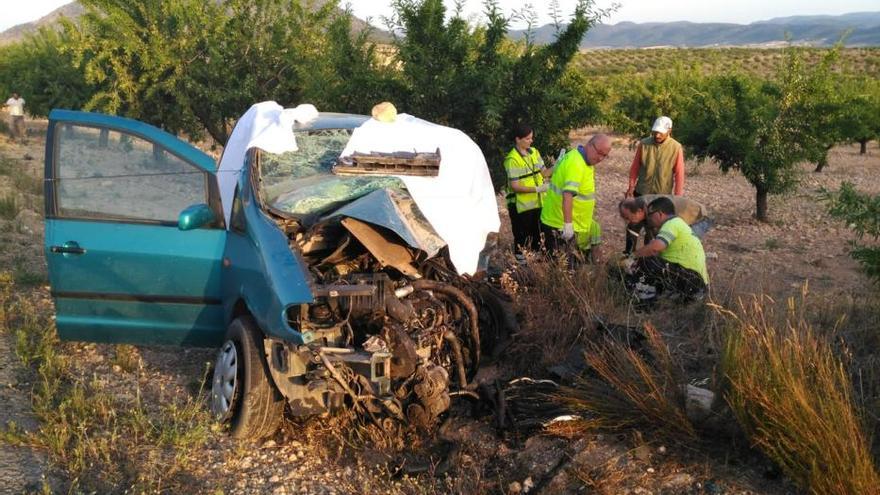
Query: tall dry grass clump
<point x="632" y="388"/>
<point x="560" y="308"/>
<point x="794" y="399"/>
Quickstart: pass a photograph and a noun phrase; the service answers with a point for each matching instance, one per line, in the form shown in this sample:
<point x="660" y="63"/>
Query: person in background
<point x="525" y="190"/>
<point x="657" y="167"/>
<point x="634" y="212"/>
<point x="15" y="107"/>
<point x="567" y="213"/>
<point x="673" y="262"/>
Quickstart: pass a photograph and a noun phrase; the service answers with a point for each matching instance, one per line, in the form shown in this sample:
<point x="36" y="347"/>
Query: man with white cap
<point x="658" y="167"/>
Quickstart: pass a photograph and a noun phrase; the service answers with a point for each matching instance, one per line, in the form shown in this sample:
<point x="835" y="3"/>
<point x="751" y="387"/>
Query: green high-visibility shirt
<point x="682" y="246"/>
<point x="573" y="175"/>
<point x="526" y="170"/>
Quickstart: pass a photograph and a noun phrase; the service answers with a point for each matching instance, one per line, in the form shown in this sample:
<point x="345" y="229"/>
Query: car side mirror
<point x="195" y="216"/>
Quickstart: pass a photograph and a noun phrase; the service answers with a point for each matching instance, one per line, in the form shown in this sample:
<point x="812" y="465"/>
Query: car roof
<point x="331" y="120"/>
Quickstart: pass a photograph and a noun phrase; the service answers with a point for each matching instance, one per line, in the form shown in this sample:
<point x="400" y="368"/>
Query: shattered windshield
<point x="302" y="182"/>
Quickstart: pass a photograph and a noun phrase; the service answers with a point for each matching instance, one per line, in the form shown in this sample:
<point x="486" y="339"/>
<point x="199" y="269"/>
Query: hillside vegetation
<point x="761" y="62"/>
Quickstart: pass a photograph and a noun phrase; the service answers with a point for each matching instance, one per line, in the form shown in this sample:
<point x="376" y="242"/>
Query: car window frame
<point x="52" y="206"/>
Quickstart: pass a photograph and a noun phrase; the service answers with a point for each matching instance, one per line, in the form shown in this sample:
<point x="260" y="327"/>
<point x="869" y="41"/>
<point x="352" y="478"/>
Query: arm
<point x="634" y="171"/>
<point x="678" y="172"/>
<point x="653" y="248"/>
<point x="567" y="204"/>
<point x="516" y="186"/>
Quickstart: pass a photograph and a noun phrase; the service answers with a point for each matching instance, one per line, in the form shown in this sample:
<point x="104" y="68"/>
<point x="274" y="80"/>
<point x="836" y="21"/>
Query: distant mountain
<point x="15" y="33"/>
<point x="819" y="30"/>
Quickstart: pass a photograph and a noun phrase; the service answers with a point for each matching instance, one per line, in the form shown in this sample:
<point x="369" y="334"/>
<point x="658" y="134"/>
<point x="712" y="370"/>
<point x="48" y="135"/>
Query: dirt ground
<point x="801" y="244"/>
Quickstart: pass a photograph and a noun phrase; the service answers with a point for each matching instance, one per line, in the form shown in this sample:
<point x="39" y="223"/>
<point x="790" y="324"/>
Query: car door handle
<point x="69" y="247"/>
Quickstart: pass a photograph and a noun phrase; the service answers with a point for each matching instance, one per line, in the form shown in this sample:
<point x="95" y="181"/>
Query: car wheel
<point x="242" y="394"/>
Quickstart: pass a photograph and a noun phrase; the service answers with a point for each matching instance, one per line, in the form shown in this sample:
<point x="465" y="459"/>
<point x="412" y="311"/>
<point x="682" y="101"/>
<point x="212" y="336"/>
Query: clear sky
<point x="738" y="11"/>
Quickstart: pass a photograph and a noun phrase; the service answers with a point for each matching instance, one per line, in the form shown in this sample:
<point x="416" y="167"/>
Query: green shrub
<point x="861" y="212"/>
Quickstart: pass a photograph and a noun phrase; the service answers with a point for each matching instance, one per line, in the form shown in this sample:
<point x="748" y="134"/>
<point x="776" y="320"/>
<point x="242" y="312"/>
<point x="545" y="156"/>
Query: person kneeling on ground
<point x="674" y="262"/>
<point x="634" y="212"/>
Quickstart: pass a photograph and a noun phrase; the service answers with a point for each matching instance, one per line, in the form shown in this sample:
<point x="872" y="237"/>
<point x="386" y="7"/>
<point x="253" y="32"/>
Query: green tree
<point x="190" y="65"/>
<point x="862" y="102"/>
<point x="753" y="126"/>
<point x="635" y="102"/>
<point x="862" y="213"/>
<point x="41" y="70"/>
<point x="473" y="78"/>
<point x="823" y="108"/>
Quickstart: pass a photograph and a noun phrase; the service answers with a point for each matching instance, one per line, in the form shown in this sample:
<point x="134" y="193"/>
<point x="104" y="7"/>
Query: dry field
<point x="149" y="432"/>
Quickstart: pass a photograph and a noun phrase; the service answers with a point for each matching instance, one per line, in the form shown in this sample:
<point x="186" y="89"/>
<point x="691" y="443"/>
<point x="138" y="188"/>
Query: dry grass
<point x="101" y="441"/>
<point x="632" y="389"/>
<point x="793" y="397"/>
<point x="560" y="309"/>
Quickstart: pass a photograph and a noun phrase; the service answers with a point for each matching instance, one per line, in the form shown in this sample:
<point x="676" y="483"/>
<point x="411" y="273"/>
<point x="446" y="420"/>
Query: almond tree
<point x="752" y="126"/>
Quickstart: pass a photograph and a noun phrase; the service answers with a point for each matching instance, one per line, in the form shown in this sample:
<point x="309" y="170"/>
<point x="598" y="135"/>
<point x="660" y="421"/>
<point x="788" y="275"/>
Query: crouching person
<point x="673" y="262"/>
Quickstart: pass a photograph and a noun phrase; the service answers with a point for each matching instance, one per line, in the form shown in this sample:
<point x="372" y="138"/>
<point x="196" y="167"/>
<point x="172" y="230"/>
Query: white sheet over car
<point x="459" y="203"/>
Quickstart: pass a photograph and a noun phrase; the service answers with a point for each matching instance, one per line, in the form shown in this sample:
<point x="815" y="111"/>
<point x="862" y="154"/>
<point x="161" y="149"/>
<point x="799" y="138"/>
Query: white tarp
<point x="459" y="203"/>
<point x="265" y="125"/>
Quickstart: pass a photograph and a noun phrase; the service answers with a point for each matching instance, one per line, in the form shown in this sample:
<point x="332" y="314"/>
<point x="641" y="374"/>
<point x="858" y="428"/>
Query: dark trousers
<point x="666" y="276"/>
<point x="526" y="227"/>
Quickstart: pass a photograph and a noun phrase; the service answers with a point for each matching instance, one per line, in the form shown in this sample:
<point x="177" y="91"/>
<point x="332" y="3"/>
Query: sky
<point x="736" y="11"/>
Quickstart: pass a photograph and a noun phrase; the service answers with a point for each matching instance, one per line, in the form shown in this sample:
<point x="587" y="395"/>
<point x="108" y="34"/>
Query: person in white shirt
<point x="15" y="107"/>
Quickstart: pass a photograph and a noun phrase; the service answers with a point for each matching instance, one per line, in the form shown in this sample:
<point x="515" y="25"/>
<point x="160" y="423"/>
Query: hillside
<point x="863" y="29"/>
<point x="15" y="33"/>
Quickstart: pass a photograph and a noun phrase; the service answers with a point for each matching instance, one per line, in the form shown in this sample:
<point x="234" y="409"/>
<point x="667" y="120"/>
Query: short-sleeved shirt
<point x="572" y="175"/>
<point x="682" y="246"/>
<point x="16" y="106"/>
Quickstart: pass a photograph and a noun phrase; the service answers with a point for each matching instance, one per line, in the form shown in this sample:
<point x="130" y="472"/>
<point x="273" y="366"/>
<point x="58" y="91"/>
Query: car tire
<point x="242" y="393"/>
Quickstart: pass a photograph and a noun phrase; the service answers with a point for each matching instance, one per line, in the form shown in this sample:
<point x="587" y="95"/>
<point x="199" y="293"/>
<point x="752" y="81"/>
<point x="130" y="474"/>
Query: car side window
<point x="113" y="175"/>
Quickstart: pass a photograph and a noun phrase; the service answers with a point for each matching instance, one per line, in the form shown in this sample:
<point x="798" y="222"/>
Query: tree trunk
<point x="761" y="203"/>
<point x="822" y="163"/>
<point x="863" y="146"/>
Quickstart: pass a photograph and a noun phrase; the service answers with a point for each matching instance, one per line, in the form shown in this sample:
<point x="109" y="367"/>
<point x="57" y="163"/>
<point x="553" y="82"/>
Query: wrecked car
<point x="312" y="264"/>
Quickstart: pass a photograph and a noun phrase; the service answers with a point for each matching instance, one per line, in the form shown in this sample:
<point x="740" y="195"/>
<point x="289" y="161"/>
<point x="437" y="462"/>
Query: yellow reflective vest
<point x="526" y="170"/>
<point x="575" y="176"/>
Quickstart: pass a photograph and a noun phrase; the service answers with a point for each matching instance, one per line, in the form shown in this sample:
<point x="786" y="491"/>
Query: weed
<point x="101" y="441"/>
<point x="27" y="183"/>
<point x="562" y="307"/>
<point x="772" y="244"/>
<point x="794" y="399"/>
<point x="8" y="207"/>
<point x="126" y="357"/>
<point x="26" y="278"/>
<point x="632" y="389"/>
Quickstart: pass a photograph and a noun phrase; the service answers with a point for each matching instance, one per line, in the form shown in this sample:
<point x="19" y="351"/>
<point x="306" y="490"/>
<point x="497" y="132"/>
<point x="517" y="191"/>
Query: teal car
<point x="324" y="291"/>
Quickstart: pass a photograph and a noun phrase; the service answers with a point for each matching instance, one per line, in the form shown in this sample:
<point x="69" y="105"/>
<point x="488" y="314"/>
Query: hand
<point x="542" y="188"/>
<point x="626" y="263"/>
<point x="567" y="231"/>
<point x="628" y="194"/>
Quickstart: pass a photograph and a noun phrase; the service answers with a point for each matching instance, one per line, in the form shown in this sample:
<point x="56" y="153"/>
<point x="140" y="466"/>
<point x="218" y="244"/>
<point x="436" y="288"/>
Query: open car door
<point x="134" y="233"/>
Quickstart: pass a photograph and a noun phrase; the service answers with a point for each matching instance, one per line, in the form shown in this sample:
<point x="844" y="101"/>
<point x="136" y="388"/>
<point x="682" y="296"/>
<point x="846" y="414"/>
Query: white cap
<point x="662" y="124"/>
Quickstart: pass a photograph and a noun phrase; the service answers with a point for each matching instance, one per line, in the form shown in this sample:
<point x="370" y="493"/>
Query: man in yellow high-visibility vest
<point x="568" y="207"/>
